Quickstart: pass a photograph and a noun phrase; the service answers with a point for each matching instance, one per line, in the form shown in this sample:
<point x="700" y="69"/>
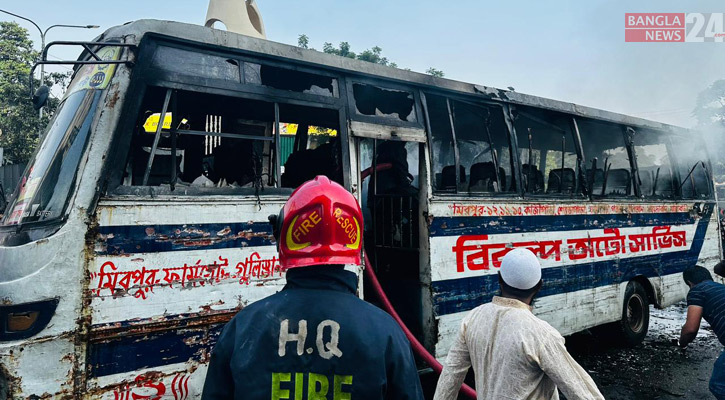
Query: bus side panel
<point x="588" y="254"/>
<point x="164" y="279"/>
<point x="672" y="287"/>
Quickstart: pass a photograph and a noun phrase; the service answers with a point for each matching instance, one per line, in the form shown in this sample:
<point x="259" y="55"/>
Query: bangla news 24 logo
<point x="674" y="27"/>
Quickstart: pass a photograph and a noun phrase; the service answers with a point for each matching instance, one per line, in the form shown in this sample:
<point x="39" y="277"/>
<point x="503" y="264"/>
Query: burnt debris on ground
<point x="656" y="369"/>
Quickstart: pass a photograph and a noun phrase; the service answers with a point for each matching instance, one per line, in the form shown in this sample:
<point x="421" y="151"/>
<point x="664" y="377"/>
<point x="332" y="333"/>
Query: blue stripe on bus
<point x="129" y="239"/>
<point x="154" y="349"/>
<point x="151" y="350"/>
<point x="457" y="295"/>
<point x="457" y="226"/>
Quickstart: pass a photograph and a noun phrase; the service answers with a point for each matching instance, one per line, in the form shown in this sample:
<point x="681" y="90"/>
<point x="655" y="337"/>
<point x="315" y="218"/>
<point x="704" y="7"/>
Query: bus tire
<point x="632" y="327"/>
<point x="635" y="315"/>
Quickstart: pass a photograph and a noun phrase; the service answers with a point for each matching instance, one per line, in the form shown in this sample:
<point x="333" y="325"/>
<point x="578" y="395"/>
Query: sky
<point x="572" y="51"/>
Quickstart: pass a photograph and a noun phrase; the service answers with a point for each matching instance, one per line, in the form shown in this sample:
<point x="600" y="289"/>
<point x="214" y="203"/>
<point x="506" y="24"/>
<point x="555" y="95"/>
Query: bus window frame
<point x="145" y="75"/>
<point x="475" y="101"/>
<point x="666" y="140"/>
<point x="677" y="167"/>
<point x="582" y="180"/>
<point x="576" y="194"/>
<point x="628" y="146"/>
<point x="380" y="120"/>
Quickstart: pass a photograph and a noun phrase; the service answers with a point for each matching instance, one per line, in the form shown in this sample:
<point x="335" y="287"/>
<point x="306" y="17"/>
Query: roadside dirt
<point x="657" y="369"/>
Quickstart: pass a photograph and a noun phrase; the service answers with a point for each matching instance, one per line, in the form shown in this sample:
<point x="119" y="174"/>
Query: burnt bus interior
<point x="475" y="137"/>
<point x="254" y="126"/>
<point x="230" y="126"/>
<point x="228" y="142"/>
<point x="560" y="156"/>
<point x="546" y="149"/>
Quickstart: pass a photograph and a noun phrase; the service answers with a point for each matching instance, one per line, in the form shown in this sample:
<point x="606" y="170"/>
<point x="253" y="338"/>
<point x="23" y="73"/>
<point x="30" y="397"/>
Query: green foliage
<point x="303" y="41"/>
<point x="373" y="55"/>
<point x="435" y="72"/>
<point x="19" y="122"/>
<point x="343" y="50"/>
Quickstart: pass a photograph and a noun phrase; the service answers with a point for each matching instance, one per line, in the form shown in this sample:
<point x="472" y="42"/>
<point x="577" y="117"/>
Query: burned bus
<point x="130" y="240"/>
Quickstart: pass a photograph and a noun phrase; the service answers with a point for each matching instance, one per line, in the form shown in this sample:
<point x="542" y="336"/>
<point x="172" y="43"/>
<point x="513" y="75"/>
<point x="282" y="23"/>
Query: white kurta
<point x="514" y="355"/>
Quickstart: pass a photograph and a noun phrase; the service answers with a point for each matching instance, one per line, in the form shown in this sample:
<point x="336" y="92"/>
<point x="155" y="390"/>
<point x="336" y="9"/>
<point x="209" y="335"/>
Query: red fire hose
<point x="380" y="167"/>
<point x="414" y="343"/>
<point x="387" y="306"/>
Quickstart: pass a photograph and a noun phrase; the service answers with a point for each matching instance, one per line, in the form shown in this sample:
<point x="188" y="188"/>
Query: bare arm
<point x="692" y="325"/>
<point x="454" y="371"/>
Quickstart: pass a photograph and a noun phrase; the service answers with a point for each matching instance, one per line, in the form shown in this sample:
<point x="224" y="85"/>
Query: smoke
<point x="713" y="139"/>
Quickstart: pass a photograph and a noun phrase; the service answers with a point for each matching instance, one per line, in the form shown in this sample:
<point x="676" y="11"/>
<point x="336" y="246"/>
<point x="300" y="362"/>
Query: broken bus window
<point x="609" y="171"/>
<point x="382" y="102"/>
<point x="693" y="167"/>
<point x="654" y="168"/>
<point x="443" y="147"/>
<point x="549" y="163"/>
<point x="481" y="142"/>
<point x="210" y="141"/>
<point x="289" y="79"/>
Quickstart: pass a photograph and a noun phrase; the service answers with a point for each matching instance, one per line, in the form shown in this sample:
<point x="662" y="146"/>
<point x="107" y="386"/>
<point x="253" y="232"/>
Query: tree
<point x="435" y="72"/>
<point x="710" y="114"/>
<point x="373" y="55"/>
<point x="19" y="122"/>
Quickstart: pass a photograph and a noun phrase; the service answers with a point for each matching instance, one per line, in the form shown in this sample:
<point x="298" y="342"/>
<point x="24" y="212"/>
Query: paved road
<point x="656" y="369"/>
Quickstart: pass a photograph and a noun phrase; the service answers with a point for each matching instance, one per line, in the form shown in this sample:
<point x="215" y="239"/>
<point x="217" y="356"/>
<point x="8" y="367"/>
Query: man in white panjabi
<point x="514" y="354"/>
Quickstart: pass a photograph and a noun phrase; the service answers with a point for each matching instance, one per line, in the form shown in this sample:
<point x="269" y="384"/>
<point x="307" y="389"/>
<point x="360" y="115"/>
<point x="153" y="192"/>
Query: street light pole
<point x="42" y="42"/>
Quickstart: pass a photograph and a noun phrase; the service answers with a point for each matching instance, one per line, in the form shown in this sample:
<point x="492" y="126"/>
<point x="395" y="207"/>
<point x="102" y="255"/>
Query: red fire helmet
<point x="321" y="224"/>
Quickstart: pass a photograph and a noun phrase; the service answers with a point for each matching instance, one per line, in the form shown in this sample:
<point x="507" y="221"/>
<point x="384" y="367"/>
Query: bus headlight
<point x="21" y="321"/>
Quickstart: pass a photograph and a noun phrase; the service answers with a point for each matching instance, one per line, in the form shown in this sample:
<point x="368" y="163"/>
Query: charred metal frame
<point x="582" y="181"/>
<point x="147" y="75"/>
<point x="506" y="110"/>
<point x="576" y="193"/>
<point x="87" y="47"/>
<point x="157" y="136"/>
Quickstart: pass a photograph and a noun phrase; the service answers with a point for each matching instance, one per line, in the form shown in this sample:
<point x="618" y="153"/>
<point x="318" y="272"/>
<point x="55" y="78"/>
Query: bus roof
<point x="136" y="30"/>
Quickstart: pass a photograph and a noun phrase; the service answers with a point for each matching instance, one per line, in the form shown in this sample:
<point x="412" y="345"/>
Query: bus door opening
<point x="391" y="212"/>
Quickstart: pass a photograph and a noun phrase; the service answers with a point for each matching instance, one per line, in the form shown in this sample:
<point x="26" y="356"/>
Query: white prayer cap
<point x="520" y="269"/>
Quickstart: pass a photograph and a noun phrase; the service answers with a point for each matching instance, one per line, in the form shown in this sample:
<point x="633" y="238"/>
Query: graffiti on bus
<point x="140" y="282"/>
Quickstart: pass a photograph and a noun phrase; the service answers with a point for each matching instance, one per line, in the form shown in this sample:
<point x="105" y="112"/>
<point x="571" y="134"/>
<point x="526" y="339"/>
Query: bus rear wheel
<point x="635" y="315"/>
<point x="632" y="327"/>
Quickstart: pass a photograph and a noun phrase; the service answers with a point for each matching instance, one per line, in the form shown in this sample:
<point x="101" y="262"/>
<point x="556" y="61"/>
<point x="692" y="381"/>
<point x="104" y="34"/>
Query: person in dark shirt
<point x="706" y="299"/>
<point x="314" y="340"/>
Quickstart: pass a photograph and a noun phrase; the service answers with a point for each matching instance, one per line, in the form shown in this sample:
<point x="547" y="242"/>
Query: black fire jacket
<point x="313" y="340"/>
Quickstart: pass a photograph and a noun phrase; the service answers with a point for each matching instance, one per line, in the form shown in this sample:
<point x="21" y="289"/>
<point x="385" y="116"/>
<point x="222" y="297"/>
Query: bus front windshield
<point x="44" y="189"/>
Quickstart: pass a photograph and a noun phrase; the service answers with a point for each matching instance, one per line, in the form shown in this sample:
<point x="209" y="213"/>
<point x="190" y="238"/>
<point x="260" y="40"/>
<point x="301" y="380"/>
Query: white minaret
<point x="239" y="16"/>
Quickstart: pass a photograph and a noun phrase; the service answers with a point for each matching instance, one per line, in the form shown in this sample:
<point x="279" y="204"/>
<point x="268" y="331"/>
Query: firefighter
<point x="315" y="339"/>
